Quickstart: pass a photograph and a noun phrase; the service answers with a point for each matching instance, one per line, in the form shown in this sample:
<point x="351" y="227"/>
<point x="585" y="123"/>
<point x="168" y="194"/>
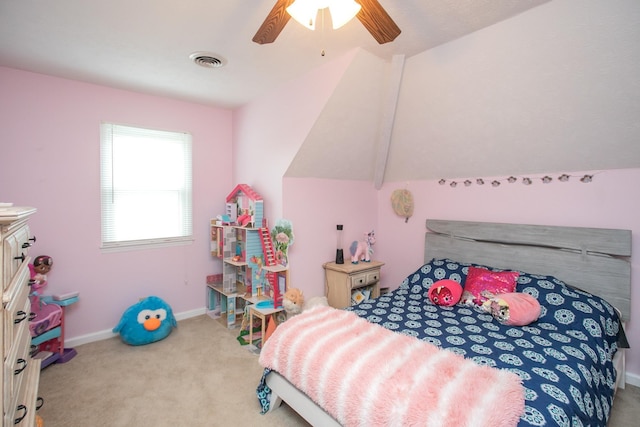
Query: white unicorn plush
<point x="362" y="251"/>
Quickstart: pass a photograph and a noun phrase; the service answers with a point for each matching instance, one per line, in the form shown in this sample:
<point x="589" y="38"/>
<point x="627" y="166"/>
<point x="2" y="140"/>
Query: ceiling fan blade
<point x="274" y="23"/>
<point x="377" y="21"/>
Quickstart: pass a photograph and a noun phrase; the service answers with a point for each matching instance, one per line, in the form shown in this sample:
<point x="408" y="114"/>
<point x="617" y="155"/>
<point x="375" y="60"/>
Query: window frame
<point x="108" y="191"/>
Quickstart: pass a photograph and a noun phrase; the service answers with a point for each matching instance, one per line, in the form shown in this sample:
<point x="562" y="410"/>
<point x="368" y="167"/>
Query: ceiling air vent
<point x="207" y="59"/>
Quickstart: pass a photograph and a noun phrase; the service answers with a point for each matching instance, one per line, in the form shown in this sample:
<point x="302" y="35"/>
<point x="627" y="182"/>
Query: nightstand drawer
<point x="358" y="280"/>
<point x="373" y="277"/>
<point x="365" y="279"/>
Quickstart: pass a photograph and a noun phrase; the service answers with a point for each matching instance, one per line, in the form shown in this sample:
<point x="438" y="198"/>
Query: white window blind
<point x="145" y="179"/>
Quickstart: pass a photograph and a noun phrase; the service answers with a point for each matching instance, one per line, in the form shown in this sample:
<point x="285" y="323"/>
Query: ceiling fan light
<point x="305" y="12"/>
<point x="343" y="11"/>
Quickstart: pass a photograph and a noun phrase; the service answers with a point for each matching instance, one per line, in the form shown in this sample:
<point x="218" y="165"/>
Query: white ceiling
<point x="144" y="45"/>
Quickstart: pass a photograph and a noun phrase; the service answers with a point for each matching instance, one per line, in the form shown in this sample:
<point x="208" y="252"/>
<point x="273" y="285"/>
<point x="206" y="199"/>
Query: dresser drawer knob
<point x="20" y="317"/>
<point x="22" y="257"/>
<point x="26" y="245"/>
<point x="33" y="239"/>
<point x="22" y="362"/>
<point x="39" y="403"/>
<point x="24" y="414"/>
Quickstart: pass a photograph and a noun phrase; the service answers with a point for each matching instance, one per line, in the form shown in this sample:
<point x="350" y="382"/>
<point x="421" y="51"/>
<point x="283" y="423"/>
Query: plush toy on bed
<point x="147" y="321"/>
<point x="515" y="308"/>
<point x="294" y="302"/>
<point x="445" y="292"/>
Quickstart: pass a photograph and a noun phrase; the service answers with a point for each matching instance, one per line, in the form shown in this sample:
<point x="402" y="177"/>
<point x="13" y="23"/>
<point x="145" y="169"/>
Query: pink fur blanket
<point x="365" y="375"/>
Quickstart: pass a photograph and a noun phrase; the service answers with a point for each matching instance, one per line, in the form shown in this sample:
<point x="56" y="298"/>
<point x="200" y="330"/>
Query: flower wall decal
<point x="546" y="179"/>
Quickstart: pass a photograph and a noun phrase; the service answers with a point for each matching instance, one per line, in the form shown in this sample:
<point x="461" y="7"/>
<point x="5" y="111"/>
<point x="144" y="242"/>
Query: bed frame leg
<point x="274" y="402"/>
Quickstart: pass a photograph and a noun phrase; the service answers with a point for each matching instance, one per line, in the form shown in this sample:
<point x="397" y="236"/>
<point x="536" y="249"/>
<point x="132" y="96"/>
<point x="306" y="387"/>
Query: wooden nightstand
<point x="342" y="279"/>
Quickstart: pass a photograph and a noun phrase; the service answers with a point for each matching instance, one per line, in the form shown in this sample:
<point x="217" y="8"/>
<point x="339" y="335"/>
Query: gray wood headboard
<point x="593" y="259"/>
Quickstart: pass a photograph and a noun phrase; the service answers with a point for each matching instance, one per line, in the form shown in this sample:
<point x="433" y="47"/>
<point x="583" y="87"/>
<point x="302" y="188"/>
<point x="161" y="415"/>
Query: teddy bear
<point x="294" y="302"/>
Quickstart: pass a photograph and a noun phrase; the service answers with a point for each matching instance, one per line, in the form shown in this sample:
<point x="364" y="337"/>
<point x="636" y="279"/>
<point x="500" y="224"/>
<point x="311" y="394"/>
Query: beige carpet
<point x="198" y="376"/>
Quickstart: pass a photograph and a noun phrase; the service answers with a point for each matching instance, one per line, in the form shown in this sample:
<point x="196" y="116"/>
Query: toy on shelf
<point x="38" y="272"/>
<point x="46" y="323"/>
<point x="282" y="235"/>
<point x="244" y="219"/>
<point x="294" y="302"/>
<point x="44" y="316"/>
<point x="224" y="219"/>
<point x="362" y="251"/>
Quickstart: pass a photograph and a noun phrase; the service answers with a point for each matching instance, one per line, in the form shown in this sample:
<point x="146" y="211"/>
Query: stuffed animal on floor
<point x="515" y="308"/>
<point x="149" y="320"/>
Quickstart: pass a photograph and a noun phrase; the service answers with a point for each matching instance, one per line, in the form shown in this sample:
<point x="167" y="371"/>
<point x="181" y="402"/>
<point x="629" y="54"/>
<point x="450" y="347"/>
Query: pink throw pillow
<point x="516" y="309"/>
<point x="482" y="284"/>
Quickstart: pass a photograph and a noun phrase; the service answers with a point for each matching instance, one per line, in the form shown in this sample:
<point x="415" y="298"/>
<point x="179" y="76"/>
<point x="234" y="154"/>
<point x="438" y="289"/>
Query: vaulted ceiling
<point x="145" y="45"/>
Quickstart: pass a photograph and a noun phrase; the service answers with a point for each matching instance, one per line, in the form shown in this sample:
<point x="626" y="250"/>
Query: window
<point x="145" y="183"/>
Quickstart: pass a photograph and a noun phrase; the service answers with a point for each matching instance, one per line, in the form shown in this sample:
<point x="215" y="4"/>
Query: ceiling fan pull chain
<point x="322" y="34"/>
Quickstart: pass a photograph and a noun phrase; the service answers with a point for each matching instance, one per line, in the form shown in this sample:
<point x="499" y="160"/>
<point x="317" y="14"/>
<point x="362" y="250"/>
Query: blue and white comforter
<point x="564" y="359"/>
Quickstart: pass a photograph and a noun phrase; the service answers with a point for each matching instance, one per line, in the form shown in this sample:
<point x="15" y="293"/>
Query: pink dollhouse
<point x="250" y="272"/>
<point x="245" y="207"/>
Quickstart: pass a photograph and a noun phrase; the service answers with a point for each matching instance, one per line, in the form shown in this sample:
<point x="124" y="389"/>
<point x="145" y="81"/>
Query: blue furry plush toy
<point x="148" y="321"/>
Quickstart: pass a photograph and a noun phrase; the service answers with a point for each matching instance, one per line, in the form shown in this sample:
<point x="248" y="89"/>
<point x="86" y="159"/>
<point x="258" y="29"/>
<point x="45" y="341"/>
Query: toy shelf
<point x="49" y="343"/>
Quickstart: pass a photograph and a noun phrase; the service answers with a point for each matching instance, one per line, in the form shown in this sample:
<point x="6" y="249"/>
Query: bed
<point x="569" y="361"/>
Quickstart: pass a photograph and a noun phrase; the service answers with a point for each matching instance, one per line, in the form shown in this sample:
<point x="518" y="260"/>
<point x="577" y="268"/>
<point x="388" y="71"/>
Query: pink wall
<point x="315" y="206"/>
<point x="268" y="132"/>
<point x="49" y="131"/>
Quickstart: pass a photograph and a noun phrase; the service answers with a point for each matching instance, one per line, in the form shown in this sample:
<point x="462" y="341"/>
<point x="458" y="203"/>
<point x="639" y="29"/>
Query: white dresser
<point x="20" y="373"/>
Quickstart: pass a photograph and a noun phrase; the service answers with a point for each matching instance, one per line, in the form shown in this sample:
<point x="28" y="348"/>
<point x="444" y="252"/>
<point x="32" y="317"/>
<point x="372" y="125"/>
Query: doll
<point x="41" y="266"/>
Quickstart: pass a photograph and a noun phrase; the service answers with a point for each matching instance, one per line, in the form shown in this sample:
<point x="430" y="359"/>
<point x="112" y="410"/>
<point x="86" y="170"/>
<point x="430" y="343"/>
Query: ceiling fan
<point x="372" y="15"/>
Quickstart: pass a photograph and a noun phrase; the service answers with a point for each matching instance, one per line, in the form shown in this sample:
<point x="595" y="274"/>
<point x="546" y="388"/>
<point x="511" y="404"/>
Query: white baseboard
<point x="633" y="379"/>
<point x="106" y="334"/>
<point x="191" y="313"/>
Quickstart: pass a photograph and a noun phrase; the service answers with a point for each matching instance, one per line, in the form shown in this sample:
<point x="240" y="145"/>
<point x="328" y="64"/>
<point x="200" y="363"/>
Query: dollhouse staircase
<point x="269" y="259"/>
<point x="267" y="247"/>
